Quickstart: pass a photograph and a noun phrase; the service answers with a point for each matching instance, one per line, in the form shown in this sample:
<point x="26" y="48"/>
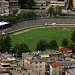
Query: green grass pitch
<point x="31" y="37"/>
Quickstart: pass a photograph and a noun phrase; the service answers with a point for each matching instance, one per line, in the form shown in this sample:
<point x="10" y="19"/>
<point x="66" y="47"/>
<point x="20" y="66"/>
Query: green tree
<point x="73" y="36"/>
<point x="27" y="15"/>
<point x="1" y="44"/>
<point x="21" y="48"/>
<point x="55" y="10"/>
<point x="31" y="15"/>
<point x="58" y="10"/>
<point x="11" y="18"/>
<point x="65" y="43"/>
<point x="26" y="4"/>
<point x="23" y="15"/>
<point x="6" y="43"/>
<point x="41" y="45"/>
<point x="72" y="46"/>
<point x="51" y="10"/>
<point x="53" y="45"/>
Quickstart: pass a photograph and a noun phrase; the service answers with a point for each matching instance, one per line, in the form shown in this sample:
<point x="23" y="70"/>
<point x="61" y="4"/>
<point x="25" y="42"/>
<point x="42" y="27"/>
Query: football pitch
<point x="32" y="37"/>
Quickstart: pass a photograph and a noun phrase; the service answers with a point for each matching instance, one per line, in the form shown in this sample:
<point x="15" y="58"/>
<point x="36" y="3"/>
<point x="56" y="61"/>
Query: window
<point x="15" y="2"/>
<point x="36" y="62"/>
<point x="40" y="62"/>
<point x="40" y="66"/>
<point x="36" y="66"/>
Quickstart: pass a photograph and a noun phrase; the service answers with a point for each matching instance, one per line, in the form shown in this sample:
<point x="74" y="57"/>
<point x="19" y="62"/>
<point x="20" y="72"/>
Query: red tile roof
<point x="56" y="64"/>
<point x="64" y="49"/>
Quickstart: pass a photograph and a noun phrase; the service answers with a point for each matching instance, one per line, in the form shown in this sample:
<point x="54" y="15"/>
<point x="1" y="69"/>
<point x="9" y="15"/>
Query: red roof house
<point x="65" y="50"/>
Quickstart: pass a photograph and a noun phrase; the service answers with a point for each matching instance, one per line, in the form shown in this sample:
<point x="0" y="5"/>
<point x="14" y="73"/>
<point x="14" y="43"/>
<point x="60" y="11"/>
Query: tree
<point x="1" y="44"/>
<point x="26" y="4"/>
<point x="51" y="10"/>
<point x="72" y="46"/>
<point x="41" y="45"/>
<point x="27" y="15"/>
<point x="53" y="45"/>
<point x="73" y="36"/>
<point x="58" y="10"/>
<point x="65" y="43"/>
<point x="31" y="15"/>
<point x="21" y="48"/>
<point x="23" y="15"/>
<point x="55" y="10"/>
<point x="11" y="18"/>
<point x="6" y="43"/>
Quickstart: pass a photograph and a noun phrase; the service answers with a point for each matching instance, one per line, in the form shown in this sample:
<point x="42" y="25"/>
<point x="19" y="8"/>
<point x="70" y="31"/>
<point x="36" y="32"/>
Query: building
<point x="46" y="4"/>
<point x="54" y="68"/>
<point x="70" y="71"/>
<point x="4" y="7"/>
<point x="73" y="2"/>
<point x="36" y="64"/>
<point x="7" y="62"/>
<point x="13" y="6"/>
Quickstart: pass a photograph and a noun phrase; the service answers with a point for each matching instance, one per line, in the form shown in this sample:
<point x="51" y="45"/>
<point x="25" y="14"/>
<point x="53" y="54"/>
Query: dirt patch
<point x="20" y="32"/>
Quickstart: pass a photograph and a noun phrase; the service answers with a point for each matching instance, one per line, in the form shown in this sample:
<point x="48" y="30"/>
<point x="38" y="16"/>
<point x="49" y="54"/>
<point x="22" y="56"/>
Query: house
<point x="54" y="68"/>
<point x="65" y="50"/>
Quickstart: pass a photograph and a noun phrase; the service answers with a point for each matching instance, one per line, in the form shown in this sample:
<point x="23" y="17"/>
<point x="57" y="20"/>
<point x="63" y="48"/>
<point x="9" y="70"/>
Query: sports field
<point x="31" y="37"/>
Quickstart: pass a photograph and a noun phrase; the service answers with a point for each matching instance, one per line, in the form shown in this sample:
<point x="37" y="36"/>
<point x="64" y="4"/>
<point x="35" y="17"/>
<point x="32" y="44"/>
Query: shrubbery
<point x="24" y="15"/>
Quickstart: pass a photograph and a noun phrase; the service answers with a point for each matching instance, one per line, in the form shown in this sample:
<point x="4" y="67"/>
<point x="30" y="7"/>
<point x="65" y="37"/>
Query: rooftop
<point x="56" y="64"/>
<point x="71" y="71"/>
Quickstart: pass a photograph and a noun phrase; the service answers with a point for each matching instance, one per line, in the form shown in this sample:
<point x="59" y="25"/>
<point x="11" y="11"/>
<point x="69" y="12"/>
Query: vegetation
<point x="20" y="17"/>
<point x="32" y="37"/>
<point x="73" y="36"/>
<point x="5" y="43"/>
<point x="41" y="45"/>
<point x="53" y="45"/>
<point x="20" y="48"/>
<point x="72" y="44"/>
<point x="65" y="43"/>
<point x="26" y="4"/>
<point x="11" y="18"/>
<point x="55" y="11"/>
<point x="27" y="15"/>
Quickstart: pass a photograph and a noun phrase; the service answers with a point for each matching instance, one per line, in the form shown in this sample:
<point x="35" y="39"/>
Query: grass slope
<point x="31" y="37"/>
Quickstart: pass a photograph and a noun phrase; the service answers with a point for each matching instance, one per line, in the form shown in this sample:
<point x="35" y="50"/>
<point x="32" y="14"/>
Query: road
<point x="39" y="22"/>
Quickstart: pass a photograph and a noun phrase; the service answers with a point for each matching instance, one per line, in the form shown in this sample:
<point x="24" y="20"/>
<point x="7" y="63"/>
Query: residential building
<point x="7" y="62"/>
<point x="13" y="6"/>
<point x="46" y="4"/>
<point x="73" y="2"/>
<point x="70" y="71"/>
<point x="49" y="62"/>
<point x="4" y="7"/>
<point x="34" y="63"/>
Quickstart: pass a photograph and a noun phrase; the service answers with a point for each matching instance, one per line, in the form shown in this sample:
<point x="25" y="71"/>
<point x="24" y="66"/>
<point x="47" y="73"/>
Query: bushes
<point x="24" y="15"/>
<point x="11" y="18"/>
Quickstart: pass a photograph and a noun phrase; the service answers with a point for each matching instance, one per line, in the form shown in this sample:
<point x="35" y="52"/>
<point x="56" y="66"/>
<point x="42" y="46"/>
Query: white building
<point x="46" y="4"/>
<point x="4" y="7"/>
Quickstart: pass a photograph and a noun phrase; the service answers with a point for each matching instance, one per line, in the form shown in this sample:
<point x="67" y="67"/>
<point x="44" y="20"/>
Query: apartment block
<point x="37" y="65"/>
<point x="73" y="2"/>
<point x="46" y="4"/>
<point x="4" y="7"/>
<point x="13" y="6"/>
